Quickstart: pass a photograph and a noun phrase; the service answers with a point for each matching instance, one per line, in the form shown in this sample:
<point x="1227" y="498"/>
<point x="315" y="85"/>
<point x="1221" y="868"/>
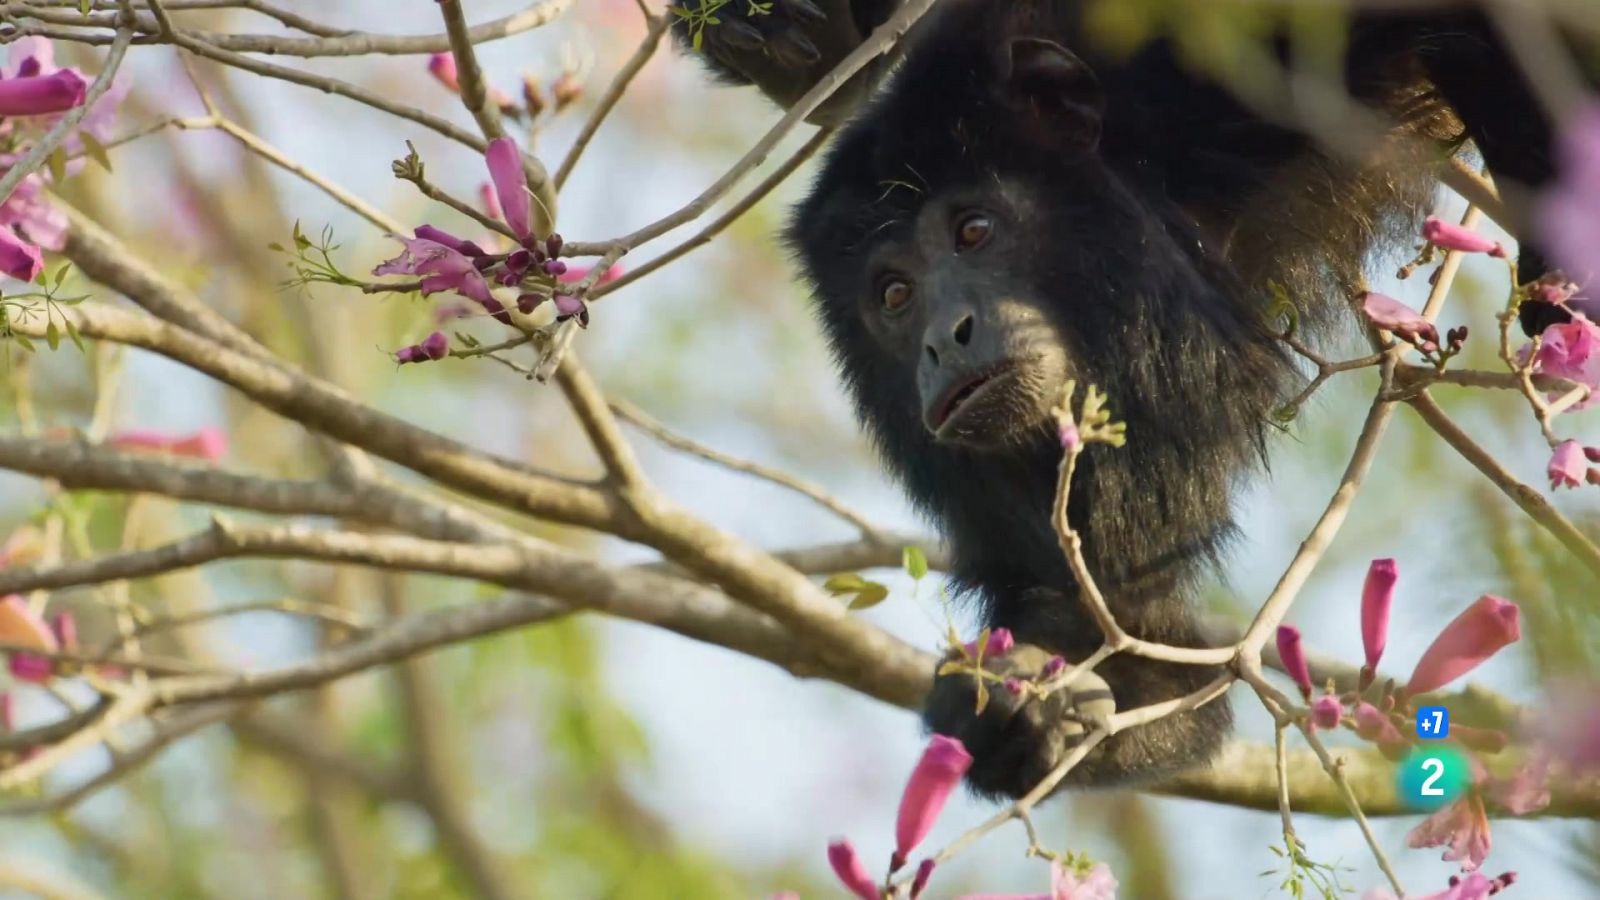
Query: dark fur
<point x="1150" y="257"/>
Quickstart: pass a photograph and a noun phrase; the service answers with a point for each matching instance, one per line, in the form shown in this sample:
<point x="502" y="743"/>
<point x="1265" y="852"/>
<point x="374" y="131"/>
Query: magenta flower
<point x="1569" y="350"/>
<point x="1293" y="657"/>
<point x="1471" y="637"/>
<point x="1567" y="465"/>
<point x="1377" y="594"/>
<point x="443" y="67"/>
<point x="1462" y="828"/>
<point x="511" y="186"/>
<point x="1401" y="320"/>
<point x="852" y="874"/>
<point x="490" y="202"/>
<point x="209" y="444"/>
<point x="1569" y="210"/>
<point x="18" y="258"/>
<point x="34" y="58"/>
<point x="938" y="772"/>
<point x="919" y="882"/>
<point x="42" y="94"/>
<point x="999" y="644"/>
<point x="1473" y="887"/>
<point x="573" y="274"/>
<point x="433" y="347"/>
<point x="1327" y="712"/>
<point x="442" y="262"/>
<point x="1451" y="236"/>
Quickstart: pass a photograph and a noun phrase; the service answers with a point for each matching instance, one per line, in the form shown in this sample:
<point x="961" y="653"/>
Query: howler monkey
<point x="1012" y="208"/>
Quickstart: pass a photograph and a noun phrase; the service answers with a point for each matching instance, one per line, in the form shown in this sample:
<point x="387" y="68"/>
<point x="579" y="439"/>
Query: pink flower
<point x="34" y="58"/>
<point x="919" y="883"/>
<point x="1327" y="712"/>
<point x="1404" y="322"/>
<point x="65" y="627"/>
<point x="433" y="347"/>
<point x="1451" y="236"/>
<point x="578" y="273"/>
<point x="1293" y="657"/>
<point x="1070" y="438"/>
<point x="1567" y="465"/>
<point x="443" y="67"/>
<point x="1374" y="725"/>
<point x="852" y="874"/>
<point x="1472" y="887"/>
<point x="938" y="772"/>
<point x="1472" y="637"/>
<point x="18" y="258"/>
<point x="1377" y="594"/>
<point x="209" y="444"/>
<point x="510" y="185"/>
<point x="43" y="94"/>
<point x="1097" y="884"/>
<point x="1462" y="827"/>
<point x="999" y="644"/>
<point x="1568" y="350"/>
<point x="490" y="202"/>
<point x="442" y="263"/>
<point x="1569" y="211"/>
<point x="33" y="217"/>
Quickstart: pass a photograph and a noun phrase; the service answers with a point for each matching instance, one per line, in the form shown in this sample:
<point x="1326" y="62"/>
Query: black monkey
<point x="1013" y="208"/>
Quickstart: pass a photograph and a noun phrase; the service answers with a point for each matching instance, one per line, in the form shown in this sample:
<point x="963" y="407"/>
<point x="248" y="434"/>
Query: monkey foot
<point x="1018" y="739"/>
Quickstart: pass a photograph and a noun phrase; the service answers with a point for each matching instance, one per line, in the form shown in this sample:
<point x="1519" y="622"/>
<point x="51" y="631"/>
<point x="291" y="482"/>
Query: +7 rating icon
<point x="1433" y="723"/>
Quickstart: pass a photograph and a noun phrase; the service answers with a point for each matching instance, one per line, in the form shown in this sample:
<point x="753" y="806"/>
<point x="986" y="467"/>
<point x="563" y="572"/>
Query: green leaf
<point x="61" y="274"/>
<point x="844" y="583"/>
<point x="23" y="342"/>
<point x="699" y="40"/>
<point x="52" y="335"/>
<point x="870" y="596"/>
<point x="915" y="563"/>
<point x="77" y="339"/>
<point x="58" y="165"/>
<point x="97" y="150"/>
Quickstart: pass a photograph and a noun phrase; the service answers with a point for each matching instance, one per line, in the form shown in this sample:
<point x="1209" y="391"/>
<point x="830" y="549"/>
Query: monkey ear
<point x="1051" y="85"/>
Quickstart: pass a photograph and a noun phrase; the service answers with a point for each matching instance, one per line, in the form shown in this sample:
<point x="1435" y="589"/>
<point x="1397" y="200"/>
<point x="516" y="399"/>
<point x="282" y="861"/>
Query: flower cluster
<point x="936" y="776"/>
<point x="449" y="263"/>
<point x="34" y="92"/>
<point x="1477" y="633"/>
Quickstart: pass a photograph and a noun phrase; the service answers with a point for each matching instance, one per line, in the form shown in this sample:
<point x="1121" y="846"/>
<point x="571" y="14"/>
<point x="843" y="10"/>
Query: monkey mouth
<point x="963" y="396"/>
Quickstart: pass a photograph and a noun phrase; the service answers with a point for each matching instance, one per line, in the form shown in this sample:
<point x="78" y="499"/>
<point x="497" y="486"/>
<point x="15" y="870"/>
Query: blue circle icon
<point x="1432" y="777"/>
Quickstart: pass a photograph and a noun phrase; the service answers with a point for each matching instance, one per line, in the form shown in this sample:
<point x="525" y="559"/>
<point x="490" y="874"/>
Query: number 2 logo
<point x="1435" y="767"/>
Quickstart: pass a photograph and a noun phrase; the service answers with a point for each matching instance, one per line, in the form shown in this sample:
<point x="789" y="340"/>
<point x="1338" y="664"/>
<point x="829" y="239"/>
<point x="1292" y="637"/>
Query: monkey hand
<point x="783" y="50"/>
<point x="1017" y="739"/>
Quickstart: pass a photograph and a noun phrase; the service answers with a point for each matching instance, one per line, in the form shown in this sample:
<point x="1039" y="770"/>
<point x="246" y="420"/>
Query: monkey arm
<point x="788" y="48"/>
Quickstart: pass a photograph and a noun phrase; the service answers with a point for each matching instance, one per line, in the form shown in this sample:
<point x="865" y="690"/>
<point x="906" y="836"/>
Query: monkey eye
<point x="895" y="294"/>
<point x="973" y="230"/>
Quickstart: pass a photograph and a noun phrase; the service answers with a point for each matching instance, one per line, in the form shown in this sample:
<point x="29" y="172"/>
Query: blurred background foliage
<point x="589" y="759"/>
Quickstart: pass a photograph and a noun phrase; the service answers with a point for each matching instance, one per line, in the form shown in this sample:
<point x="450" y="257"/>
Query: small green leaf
<point x="77" y="339"/>
<point x="96" y="150"/>
<point x="52" y="335"/>
<point x="23" y="342"/>
<point x="870" y="596"/>
<point x="915" y="563"/>
<point x="844" y="583"/>
<point x="58" y="165"/>
<point x="699" y="40"/>
<point x="61" y="274"/>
